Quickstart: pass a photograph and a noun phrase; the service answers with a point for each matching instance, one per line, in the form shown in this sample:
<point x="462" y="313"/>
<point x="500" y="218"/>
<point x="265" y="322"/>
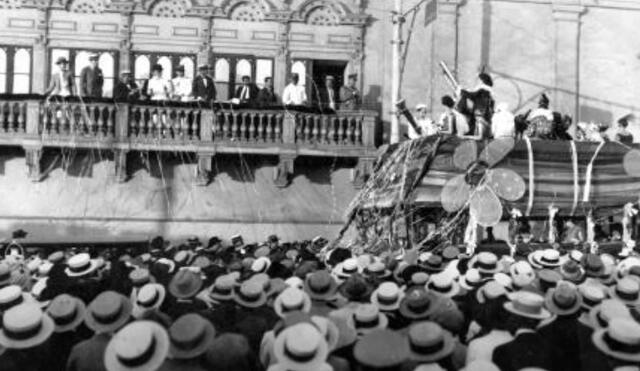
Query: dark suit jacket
<point x="91" y="81"/>
<point x="267" y="97"/>
<point x="123" y="92"/>
<point x="527" y="349"/>
<point x="253" y="92"/>
<point x="349" y="98"/>
<point x="322" y="98"/>
<point x="199" y="90"/>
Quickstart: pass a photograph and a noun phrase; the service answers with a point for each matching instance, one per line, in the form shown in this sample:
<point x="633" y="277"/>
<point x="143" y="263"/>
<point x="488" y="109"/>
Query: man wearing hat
<point x="190" y="337"/>
<point x="267" y="96"/>
<point x="349" y="94"/>
<point x="294" y="94"/>
<point x="425" y="123"/>
<point x="203" y="88"/>
<point x="91" y="79"/>
<point x="452" y="121"/>
<point x="326" y="95"/>
<point x="61" y="81"/>
<point x="25" y="339"/>
<point x="126" y="89"/>
<point x="480" y="106"/>
<point x="540" y="120"/>
<point x="247" y="92"/>
<point x="182" y="85"/>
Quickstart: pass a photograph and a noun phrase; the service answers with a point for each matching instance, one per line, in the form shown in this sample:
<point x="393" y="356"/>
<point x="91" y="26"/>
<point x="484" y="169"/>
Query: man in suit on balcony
<point x="248" y="92"/>
<point x="126" y="89"/>
<point x="91" y="79"/>
<point x="327" y="97"/>
<point x="349" y="94"/>
<point x="203" y="86"/>
<point x="267" y="96"/>
<point x="61" y="81"/>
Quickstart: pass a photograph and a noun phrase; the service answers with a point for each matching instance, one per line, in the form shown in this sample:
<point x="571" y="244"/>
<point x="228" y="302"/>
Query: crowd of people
<point x="304" y="307"/>
<point x="201" y="88"/>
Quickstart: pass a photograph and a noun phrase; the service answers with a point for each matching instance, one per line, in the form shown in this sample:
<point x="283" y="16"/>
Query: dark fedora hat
<point x="190" y="336"/>
<point x="418" y="304"/>
<point x="185" y="284"/>
<point x="108" y="312"/>
<point x="356" y="288"/>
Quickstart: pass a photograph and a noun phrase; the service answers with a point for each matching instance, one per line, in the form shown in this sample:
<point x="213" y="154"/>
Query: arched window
<point x="142" y="68"/>
<point x="188" y="66"/>
<point x="222" y="78"/>
<point x="22" y="72"/>
<point x="243" y="68"/>
<point x="167" y="70"/>
<point x="3" y="70"/>
<point x="300" y="68"/>
<point x="107" y="66"/>
<point x="264" y="68"/>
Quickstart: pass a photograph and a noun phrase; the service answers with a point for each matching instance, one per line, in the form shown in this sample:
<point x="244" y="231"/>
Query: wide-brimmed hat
<point x="141" y="345"/>
<point x="627" y="290"/>
<point x="377" y="269"/>
<point x="601" y="315"/>
<point x="547" y="279"/>
<point x="471" y="279"/>
<point x="140" y="276"/>
<point x="261" y="264"/>
<point x="381" y="349"/>
<point x="433" y="264"/>
<point x="443" y="284"/>
<point x="346" y="268"/>
<point x="150" y="296"/>
<point x="300" y="347"/>
<point x="80" y="265"/>
<point x="592" y="295"/>
<point x="56" y="257"/>
<point x="185" y="284"/>
<point x="190" y="336"/>
<point x="25" y="326"/>
<point x="222" y="288"/>
<point x="572" y="271"/>
<point x="621" y="340"/>
<point x="67" y="312"/>
<point x="356" y="288"/>
<point x="44" y="268"/>
<point x="295" y="281"/>
<point x="428" y="342"/>
<point x="328" y="329"/>
<point x="11" y="296"/>
<point x="290" y="300"/>
<point x="522" y="274"/>
<point x="486" y="263"/>
<point x="625" y="265"/>
<point x="450" y="253"/>
<point x="490" y="291"/>
<point x="419" y="279"/>
<point x="62" y="60"/>
<point x="5" y="273"/>
<point x="321" y="285"/>
<point x="564" y="299"/>
<point x="527" y="304"/>
<point x="250" y="294"/>
<point x="108" y="312"/>
<point x="387" y="296"/>
<point x="418" y="304"/>
<point x="547" y="258"/>
<point x="184" y="257"/>
<point x="366" y="318"/>
<point x="593" y="265"/>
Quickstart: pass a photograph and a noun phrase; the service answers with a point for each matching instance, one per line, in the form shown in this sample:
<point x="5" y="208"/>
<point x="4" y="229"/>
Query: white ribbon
<point x="552" y="215"/>
<point x="471" y="234"/>
<point x="629" y="212"/>
<point x="531" y="175"/>
<point x="591" y="234"/>
<point x="576" y="173"/>
<point x="587" y="181"/>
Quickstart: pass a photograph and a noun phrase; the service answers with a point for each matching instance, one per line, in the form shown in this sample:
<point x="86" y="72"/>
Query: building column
<point x="40" y="60"/>
<point x="444" y="48"/>
<point x="282" y="61"/>
<point x="566" y="16"/>
<point x="205" y="51"/>
<point x="126" y="20"/>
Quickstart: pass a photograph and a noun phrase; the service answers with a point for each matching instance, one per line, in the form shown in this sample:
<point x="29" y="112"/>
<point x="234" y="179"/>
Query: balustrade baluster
<point x="46" y="119"/>
<point x="299" y="127"/>
<point x="184" y="125"/>
<point x="193" y="116"/>
<point x="263" y="121"/>
<point x="110" y="123"/>
<point x="20" y="121"/>
<point x="242" y="126"/>
<point x="251" y="132"/>
<point x="358" y="132"/>
<point x="277" y="128"/>
<point x="344" y="123"/>
<point x="11" y="119"/>
<point x="316" y="128"/>
<point x="100" y="122"/>
<point x="323" y="129"/>
<point x="227" y="125"/>
<point x="3" y="111"/>
<point x="234" y="126"/>
<point x="57" y="123"/>
<point x="135" y="122"/>
<point x="171" y="125"/>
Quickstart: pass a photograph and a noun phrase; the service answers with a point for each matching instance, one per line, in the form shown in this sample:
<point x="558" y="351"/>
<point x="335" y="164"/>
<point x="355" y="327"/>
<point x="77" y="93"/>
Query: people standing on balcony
<point x="203" y="88"/>
<point x="623" y="135"/>
<point x="327" y="96"/>
<point x="540" y="120"/>
<point x="91" y="79"/>
<point x="126" y="89"/>
<point x="503" y="123"/>
<point x="479" y="106"/>
<point x="349" y="94"/>
<point x="62" y="81"/>
<point x="267" y="96"/>
<point x="247" y="92"/>
<point x="182" y="86"/>
<point x="452" y="121"/>
<point x="158" y="88"/>
<point x="294" y="94"/>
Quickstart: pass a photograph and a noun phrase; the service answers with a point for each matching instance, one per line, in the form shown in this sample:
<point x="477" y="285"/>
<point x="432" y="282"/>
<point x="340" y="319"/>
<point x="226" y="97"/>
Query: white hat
<point x="80" y="265"/>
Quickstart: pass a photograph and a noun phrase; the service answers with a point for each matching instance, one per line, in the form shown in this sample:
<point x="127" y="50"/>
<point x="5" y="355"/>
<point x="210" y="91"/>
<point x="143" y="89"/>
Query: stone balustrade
<point x="34" y="123"/>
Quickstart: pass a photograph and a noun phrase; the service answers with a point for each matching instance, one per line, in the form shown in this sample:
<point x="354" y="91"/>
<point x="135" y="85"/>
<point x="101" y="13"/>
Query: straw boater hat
<point x="428" y="342"/>
<point x="261" y="264"/>
<point x="471" y="280"/>
<point x="185" y="284"/>
<point x="621" y="340"/>
<point x="56" y="257"/>
<point x="44" y="268"/>
<point x="366" y="318"/>
<point x="290" y="300"/>
<point x="486" y="263"/>
<point x="592" y="295"/>
<point x="548" y="258"/>
<point x="295" y="281"/>
<point x="320" y="285"/>
<point x="564" y="299"/>
<point x="80" y="265"/>
<point x="190" y="336"/>
<point x="140" y="276"/>
<point x="601" y="315"/>
<point x="627" y="290"/>
<point x="66" y="312"/>
<point x="11" y="296"/>
<point x="328" y="329"/>
<point x="593" y="265"/>
<point x="141" y="345"/>
<point x="626" y="264"/>
<point x="490" y="291"/>
<point x="356" y="288"/>
<point x="25" y="326"/>
<point x="433" y="264"/>
<point x="251" y="294"/>
<point x="387" y="296"/>
<point x="443" y="284"/>
<point x="301" y="347"/>
<point x="381" y="349"/>
<point x="522" y="274"/>
<point x="527" y="304"/>
<point x="418" y="304"/>
<point x="108" y="312"/>
<point x="151" y="296"/>
<point x="377" y="269"/>
<point x="222" y="288"/>
<point x="345" y="269"/>
<point x="572" y="271"/>
<point x="184" y="257"/>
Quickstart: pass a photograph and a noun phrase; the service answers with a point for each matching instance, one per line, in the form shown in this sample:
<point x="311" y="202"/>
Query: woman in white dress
<point x="158" y="88"/>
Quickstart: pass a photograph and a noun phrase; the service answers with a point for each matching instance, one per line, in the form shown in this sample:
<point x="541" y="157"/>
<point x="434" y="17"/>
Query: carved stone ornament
<point x="87" y="6"/>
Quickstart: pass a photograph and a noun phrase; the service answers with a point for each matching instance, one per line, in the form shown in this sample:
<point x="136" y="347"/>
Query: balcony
<point x="36" y="122"/>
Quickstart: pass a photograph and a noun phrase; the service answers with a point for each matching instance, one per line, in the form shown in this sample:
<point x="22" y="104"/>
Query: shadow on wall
<point x="373" y="101"/>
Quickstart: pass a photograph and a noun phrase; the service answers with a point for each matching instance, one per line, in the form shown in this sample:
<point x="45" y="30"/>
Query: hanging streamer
<point x="591" y="232"/>
<point x="471" y="234"/>
<point x="629" y="212"/>
<point x="587" y="181"/>
<point x="531" y="176"/>
<point x="552" y="216"/>
<point x="576" y="180"/>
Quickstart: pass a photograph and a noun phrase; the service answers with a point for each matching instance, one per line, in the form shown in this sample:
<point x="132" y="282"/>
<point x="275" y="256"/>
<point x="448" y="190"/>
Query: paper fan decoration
<point x="481" y="185"/>
<point x="631" y="163"/>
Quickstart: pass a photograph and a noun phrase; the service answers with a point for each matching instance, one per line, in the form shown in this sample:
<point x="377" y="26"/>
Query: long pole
<point x="398" y="19"/>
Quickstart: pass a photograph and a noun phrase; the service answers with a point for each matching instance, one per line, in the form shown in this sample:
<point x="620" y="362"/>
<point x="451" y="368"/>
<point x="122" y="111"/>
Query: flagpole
<point x="398" y="19"/>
